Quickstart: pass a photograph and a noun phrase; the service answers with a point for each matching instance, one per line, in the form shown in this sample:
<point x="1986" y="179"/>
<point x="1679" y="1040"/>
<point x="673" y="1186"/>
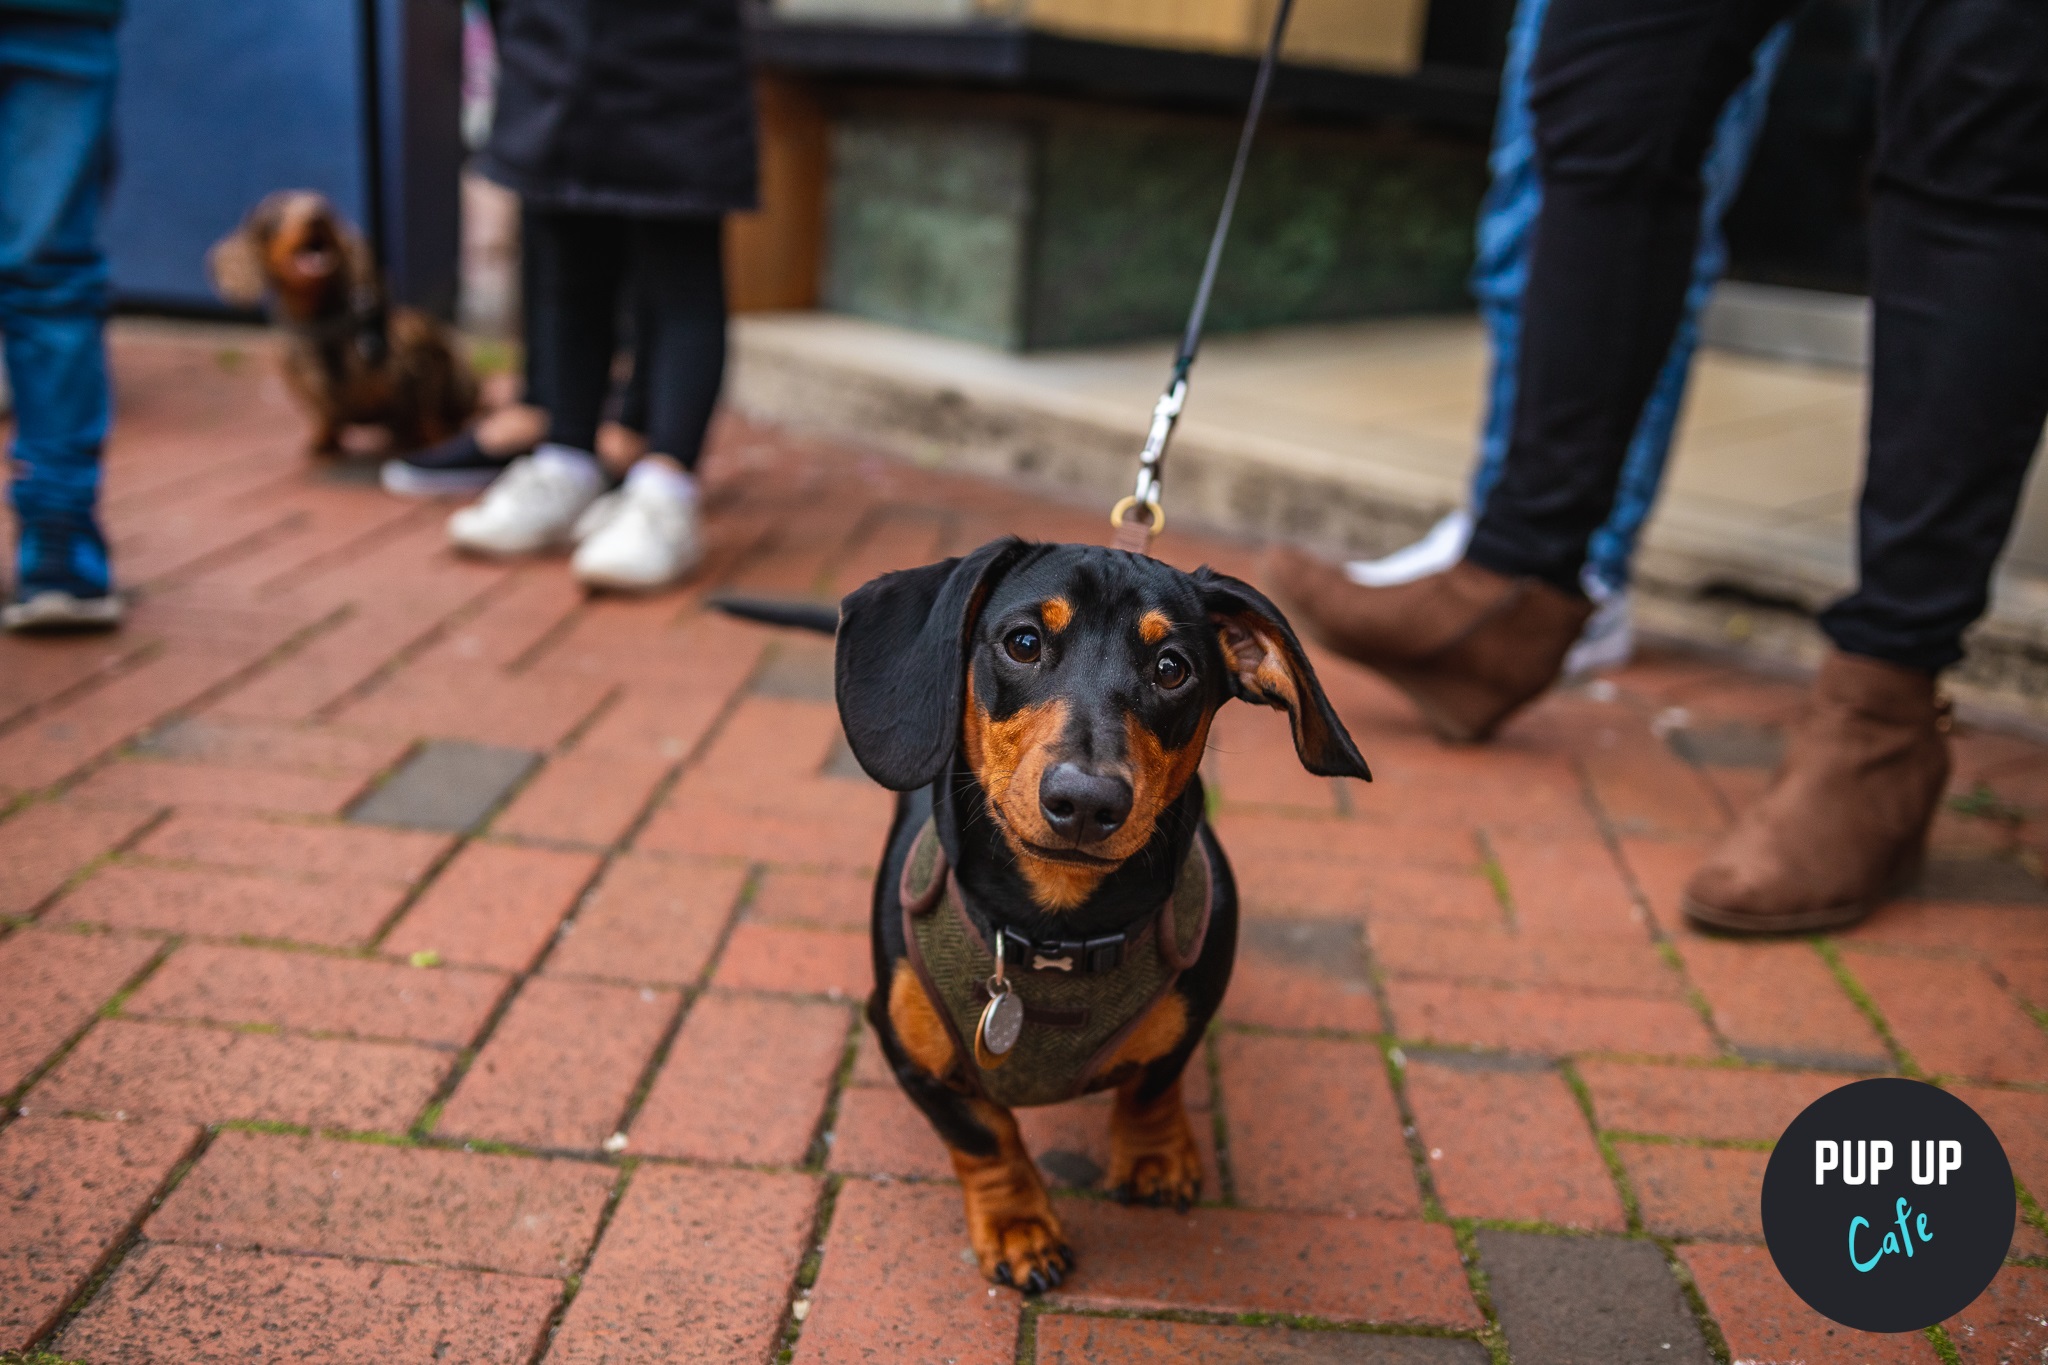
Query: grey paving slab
<point x="1990" y="881"/>
<point x="841" y="762"/>
<point x="448" y="785"/>
<point x="797" y="669"/>
<point x="1333" y="948"/>
<point x="186" y="737"/>
<point x="1732" y="744"/>
<point x="1069" y="1170"/>
<point x="1588" y="1301"/>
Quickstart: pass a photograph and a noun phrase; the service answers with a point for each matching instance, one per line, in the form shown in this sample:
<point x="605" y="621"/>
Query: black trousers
<point x="1625" y="93"/>
<point x="576" y="269"/>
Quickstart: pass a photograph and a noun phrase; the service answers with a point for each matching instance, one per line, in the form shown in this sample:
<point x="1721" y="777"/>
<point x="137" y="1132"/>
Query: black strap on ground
<point x="1131" y="532"/>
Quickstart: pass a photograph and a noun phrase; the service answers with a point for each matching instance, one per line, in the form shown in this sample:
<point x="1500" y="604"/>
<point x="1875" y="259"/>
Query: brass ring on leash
<point x="1122" y="511"/>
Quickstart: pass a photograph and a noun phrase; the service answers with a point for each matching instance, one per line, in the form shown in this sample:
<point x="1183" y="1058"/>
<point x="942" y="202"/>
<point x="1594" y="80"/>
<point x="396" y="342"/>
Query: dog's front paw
<point x="1023" y="1249"/>
<point x="1153" y="1158"/>
<point x="1016" y="1235"/>
<point x="1161" y="1178"/>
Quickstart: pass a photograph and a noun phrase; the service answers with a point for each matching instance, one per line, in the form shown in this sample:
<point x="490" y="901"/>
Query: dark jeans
<point x="1625" y="94"/>
<point x="575" y="269"/>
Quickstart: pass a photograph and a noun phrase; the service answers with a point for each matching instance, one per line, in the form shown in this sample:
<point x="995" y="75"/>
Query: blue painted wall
<point x="221" y="103"/>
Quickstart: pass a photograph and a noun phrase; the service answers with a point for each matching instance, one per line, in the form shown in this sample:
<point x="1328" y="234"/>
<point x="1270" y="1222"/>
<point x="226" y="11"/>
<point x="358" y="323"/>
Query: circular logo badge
<point x="1888" y="1205"/>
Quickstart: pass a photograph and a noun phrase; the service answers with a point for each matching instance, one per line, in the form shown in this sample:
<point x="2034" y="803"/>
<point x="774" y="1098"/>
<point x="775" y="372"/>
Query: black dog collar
<point x="1074" y="957"/>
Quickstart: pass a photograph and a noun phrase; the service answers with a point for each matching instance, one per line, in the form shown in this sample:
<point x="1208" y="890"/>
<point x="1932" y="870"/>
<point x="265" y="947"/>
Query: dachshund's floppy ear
<point x="235" y="263"/>
<point x="904" y="644"/>
<point x="1267" y="666"/>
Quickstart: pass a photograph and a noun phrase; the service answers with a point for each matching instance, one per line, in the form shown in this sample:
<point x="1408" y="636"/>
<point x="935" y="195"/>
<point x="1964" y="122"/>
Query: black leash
<point x="1131" y="533"/>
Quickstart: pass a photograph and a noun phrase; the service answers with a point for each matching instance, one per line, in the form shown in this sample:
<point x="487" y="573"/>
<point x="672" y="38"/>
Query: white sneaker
<point x="1608" y="639"/>
<point x="646" y="539"/>
<point x="1439" y="550"/>
<point x="532" y="506"/>
<point x="598" y="515"/>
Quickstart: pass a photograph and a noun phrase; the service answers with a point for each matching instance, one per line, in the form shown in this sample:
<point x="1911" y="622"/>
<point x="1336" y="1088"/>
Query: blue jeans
<point x="56" y="104"/>
<point x="1507" y="222"/>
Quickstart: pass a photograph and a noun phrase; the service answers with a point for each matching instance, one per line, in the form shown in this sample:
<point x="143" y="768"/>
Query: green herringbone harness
<point x="1076" y="1014"/>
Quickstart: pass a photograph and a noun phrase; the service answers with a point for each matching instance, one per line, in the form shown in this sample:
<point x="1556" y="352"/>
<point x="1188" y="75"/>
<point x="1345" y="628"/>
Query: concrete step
<point x="1352" y="439"/>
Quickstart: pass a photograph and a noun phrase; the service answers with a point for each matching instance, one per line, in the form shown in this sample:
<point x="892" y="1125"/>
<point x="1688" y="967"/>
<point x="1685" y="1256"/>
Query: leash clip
<point x="1138" y="539"/>
<point x="1145" y="493"/>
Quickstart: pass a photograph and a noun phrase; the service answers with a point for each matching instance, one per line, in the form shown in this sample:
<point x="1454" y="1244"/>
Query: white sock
<point x="580" y="465"/>
<point x="659" y="476"/>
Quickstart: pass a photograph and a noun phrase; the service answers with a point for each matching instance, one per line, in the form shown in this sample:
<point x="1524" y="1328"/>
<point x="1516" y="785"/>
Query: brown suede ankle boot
<point x="1467" y="645"/>
<point x="1845" y="820"/>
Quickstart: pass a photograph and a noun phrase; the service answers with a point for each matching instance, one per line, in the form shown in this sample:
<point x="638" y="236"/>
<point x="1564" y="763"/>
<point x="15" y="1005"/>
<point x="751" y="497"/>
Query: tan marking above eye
<point x="1057" y="613"/>
<point x="1154" y="627"/>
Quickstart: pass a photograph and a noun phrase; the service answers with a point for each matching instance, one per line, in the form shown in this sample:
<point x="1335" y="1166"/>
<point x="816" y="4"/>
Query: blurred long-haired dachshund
<point x="352" y="359"/>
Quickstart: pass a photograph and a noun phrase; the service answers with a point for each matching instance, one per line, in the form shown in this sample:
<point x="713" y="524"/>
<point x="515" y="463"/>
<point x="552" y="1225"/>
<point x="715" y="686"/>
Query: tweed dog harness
<point x="1081" y="997"/>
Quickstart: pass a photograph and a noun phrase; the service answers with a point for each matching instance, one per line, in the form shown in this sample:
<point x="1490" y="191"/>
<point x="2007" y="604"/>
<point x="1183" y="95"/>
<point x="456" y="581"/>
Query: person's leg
<point x="682" y="276"/>
<point x="1959" y="393"/>
<point x="1608" y="640"/>
<point x="1500" y="269"/>
<point x="1507" y="218"/>
<point x="1626" y="94"/>
<point x="651" y="540"/>
<point x="622" y="438"/>
<point x="1959" y="283"/>
<point x="56" y="92"/>
<point x="1499" y="276"/>
<point x="574" y="266"/>
<point x="1612" y="548"/>
<point x="578" y="267"/>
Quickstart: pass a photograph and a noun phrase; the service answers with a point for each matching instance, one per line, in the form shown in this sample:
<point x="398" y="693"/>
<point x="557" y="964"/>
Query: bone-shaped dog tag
<point x="1002" y="1022"/>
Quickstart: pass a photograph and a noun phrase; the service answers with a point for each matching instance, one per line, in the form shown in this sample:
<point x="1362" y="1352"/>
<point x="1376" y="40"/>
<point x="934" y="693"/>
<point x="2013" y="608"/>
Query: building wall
<point x="1038" y="223"/>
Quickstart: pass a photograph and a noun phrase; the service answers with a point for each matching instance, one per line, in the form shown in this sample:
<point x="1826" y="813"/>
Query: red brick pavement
<point x="589" y="1084"/>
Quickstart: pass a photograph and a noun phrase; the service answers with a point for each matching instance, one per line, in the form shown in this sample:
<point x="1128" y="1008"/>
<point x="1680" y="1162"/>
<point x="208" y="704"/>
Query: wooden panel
<point x="773" y="255"/>
<point x="1360" y="35"/>
<point x="1368" y="35"/>
<point x="1214" y="25"/>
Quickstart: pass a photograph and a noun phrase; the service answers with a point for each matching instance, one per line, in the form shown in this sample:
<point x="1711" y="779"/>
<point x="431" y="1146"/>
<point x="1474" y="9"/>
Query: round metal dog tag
<point x="1002" y="1021"/>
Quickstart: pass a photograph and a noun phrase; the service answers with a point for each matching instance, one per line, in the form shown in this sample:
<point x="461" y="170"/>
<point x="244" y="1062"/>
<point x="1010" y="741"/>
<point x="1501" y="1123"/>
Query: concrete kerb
<point x="1736" y="590"/>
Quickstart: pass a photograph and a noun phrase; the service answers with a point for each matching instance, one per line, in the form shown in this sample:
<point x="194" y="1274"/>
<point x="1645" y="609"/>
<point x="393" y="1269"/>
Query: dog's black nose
<point x="1083" y="806"/>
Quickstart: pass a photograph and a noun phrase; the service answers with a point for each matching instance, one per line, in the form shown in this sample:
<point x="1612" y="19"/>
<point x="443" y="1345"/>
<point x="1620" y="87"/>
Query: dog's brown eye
<point x="1022" y="645"/>
<point x="1171" y="670"/>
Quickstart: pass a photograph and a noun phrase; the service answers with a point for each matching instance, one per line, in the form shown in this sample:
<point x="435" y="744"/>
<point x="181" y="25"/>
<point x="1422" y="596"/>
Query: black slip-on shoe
<point x="457" y="465"/>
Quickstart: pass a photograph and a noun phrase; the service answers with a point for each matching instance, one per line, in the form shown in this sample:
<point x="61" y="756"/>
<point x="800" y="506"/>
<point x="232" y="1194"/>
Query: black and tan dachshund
<point x="1042" y="711"/>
